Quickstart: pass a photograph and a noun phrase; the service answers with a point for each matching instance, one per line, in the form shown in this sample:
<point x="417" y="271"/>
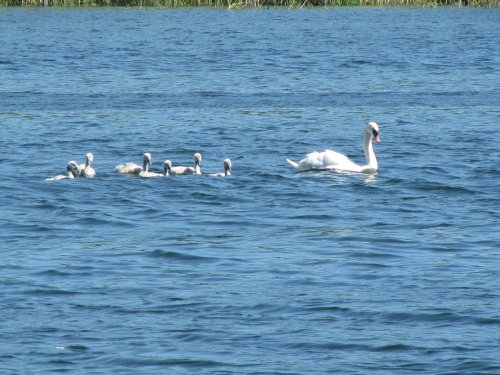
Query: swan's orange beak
<point x="376" y="136"/>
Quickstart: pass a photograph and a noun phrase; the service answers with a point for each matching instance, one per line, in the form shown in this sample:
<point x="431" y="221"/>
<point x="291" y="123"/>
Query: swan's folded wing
<point x="179" y="170"/>
<point x="128" y="168"/>
<point x="313" y="160"/>
<point x="334" y="159"/>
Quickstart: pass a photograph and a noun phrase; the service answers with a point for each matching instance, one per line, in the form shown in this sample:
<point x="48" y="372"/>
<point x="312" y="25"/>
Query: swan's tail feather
<point x="292" y="163"/>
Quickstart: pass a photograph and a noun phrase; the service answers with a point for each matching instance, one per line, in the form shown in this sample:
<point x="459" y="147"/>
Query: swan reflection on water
<point x="339" y="176"/>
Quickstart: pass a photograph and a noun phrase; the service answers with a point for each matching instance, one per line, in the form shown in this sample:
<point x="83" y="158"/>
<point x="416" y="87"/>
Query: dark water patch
<point x="50" y="292"/>
<point x="312" y="217"/>
<point x="328" y="309"/>
<point x="442" y="317"/>
<point x="329" y="346"/>
<point x="176" y="256"/>
<point x="53" y="273"/>
<point x="374" y="255"/>
<point x="45" y="329"/>
<point x="471" y="366"/>
<point x="61" y="362"/>
<point x="443" y="188"/>
<point x="487" y="321"/>
<point x="395" y="348"/>
<point x="171" y="362"/>
<point x="77" y="348"/>
<point x="165" y="310"/>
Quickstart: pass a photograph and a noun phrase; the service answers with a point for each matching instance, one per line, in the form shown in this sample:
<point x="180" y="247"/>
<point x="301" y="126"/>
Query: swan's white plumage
<point x="132" y="168"/>
<point x="86" y="169"/>
<point x="72" y="171"/>
<point x="180" y="170"/>
<point x="329" y="159"/>
<point x="227" y="169"/>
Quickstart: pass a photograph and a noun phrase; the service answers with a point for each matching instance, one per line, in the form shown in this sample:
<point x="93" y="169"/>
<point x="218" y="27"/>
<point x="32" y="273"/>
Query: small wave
<point x="61" y="362"/>
<point x="444" y="188"/>
<point x="488" y="321"/>
<point x="185" y="362"/>
<point x="56" y="273"/>
<point x="328" y="308"/>
<point x="329" y="346"/>
<point x="447" y="317"/>
<point x="394" y="348"/>
<point x="78" y="348"/>
<point x="173" y="255"/>
<point x="375" y="255"/>
<point x="50" y="292"/>
<point x="473" y="367"/>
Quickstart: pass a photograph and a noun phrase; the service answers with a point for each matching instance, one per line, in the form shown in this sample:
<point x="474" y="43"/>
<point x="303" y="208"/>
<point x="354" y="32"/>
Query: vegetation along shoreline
<point x="241" y="4"/>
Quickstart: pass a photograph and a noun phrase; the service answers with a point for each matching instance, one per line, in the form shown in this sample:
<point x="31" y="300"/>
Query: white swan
<point x="179" y="170"/>
<point x="227" y="169"/>
<point x="132" y="168"/>
<point x="334" y="160"/>
<point x="86" y="169"/>
<point x="72" y="171"/>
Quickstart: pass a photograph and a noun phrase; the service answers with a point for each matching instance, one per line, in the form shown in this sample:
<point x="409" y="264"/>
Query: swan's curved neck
<point x="145" y="165"/>
<point x="371" y="159"/>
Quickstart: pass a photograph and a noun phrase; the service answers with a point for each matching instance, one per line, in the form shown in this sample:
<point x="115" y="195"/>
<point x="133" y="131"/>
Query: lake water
<point x="267" y="271"/>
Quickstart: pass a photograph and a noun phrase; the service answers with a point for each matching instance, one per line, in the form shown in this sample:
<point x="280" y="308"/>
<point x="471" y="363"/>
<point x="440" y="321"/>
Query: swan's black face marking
<point x="376" y="136"/>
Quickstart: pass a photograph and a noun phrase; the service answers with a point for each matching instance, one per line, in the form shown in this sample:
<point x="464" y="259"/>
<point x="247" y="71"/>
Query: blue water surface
<point x="267" y="271"/>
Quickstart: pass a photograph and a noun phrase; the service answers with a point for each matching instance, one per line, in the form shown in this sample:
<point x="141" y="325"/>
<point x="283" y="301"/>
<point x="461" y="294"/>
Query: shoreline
<point x="248" y="4"/>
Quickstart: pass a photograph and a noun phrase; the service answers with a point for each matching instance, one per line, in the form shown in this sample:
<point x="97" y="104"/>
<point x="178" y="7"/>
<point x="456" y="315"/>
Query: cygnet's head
<point x="73" y="168"/>
<point x="147" y="158"/>
<point x="197" y="158"/>
<point x="373" y="129"/>
<point x="167" y="168"/>
<point x="90" y="157"/>
<point x="227" y="167"/>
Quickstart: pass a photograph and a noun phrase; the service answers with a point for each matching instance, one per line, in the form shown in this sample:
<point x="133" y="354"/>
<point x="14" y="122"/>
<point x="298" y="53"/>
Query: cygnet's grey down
<point x="180" y="170"/>
<point x="132" y="168"/>
<point x="72" y="171"/>
<point x="86" y="169"/>
<point x="227" y="169"/>
<point x="167" y="168"/>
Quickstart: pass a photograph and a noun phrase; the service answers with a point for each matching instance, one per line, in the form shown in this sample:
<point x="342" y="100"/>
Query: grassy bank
<point x="249" y="3"/>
